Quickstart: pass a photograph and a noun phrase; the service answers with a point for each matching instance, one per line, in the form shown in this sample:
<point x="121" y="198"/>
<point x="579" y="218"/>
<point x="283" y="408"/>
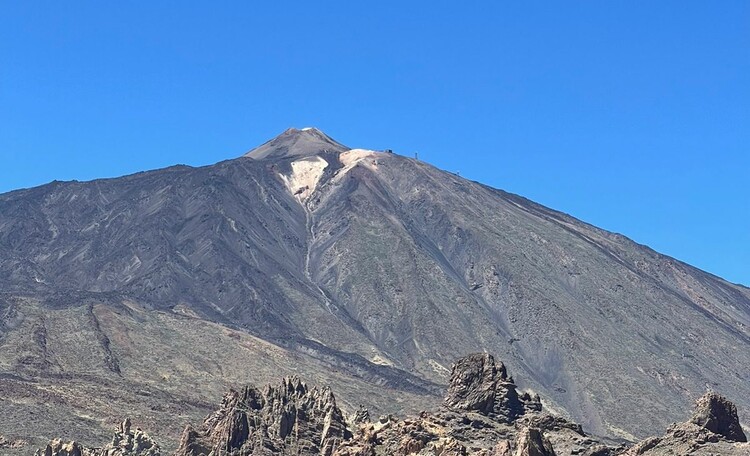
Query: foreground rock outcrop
<point x="483" y="414"/>
<point x="479" y="384"/>
<point x="125" y="442"/>
<point x="289" y="418"/>
<point x="716" y="414"/>
<point x="714" y="429"/>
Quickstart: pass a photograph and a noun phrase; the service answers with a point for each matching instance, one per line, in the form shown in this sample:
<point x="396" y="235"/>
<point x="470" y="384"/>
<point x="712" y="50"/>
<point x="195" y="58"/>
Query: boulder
<point x="480" y="384"/>
<point x="718" y="415"/>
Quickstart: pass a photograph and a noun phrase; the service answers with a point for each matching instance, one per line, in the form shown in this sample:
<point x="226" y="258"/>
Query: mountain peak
<point x="295" y="142"/>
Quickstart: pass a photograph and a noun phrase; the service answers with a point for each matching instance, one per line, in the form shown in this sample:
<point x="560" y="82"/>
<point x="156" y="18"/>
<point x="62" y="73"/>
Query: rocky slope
<point x="305" y="257"/>
<point x="483" y="414"/>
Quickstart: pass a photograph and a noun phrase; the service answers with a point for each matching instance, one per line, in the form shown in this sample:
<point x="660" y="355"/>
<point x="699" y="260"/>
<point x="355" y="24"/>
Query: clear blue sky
<point x="634" y="116"/>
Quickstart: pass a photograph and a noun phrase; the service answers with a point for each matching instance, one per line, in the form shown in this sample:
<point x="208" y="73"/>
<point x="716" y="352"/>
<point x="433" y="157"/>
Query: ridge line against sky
<point x="634" y="119"/>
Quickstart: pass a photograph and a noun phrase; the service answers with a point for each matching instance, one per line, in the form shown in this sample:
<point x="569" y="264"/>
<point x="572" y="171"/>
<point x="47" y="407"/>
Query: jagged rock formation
<point x="482" y="415"/>
<point x="125" y="442"/>
<point x="716" y="414"/>
<point x="714" y="429"/>
<point x="479" y="384"/>
<point x="471" y="423"/>
<point x="278" y="420"/>
<point x="362" y="415"/>
<point x="58" y="447"/>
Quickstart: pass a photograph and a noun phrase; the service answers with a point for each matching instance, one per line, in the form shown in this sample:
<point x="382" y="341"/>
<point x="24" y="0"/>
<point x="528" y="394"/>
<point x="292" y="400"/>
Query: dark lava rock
<point x="480" y="384"/>
<point x="278" y="420"/>
<point x="719" y="416"/>
<point x="362" y="415"/>
<point x="59" y="448"/>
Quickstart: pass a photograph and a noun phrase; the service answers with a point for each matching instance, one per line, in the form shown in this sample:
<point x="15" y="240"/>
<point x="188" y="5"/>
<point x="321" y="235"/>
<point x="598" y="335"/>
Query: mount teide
<point x="361" y="269"/>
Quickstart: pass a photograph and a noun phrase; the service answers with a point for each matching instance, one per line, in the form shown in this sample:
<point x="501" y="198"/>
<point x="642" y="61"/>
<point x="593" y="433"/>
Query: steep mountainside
<point x="361" y="268"/>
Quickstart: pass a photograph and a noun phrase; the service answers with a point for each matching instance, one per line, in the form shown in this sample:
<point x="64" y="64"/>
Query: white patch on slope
<point x="353" y="157"/>
<point x="306" y="174"/>
<point x="438" y="368"/>
<point x="377" y="359"/>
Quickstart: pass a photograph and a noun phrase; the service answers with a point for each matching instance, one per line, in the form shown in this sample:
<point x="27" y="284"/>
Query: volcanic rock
<point x="362" y="415"/>
<point x="125" y="442"/>
<point x="297" y="143"/>
<point x="718" y="415"/>
<point x="714" y="429"/>
<point x="479" y="384"/>
<point x="285" y="419"/>
<point x="482" y="415"/>
<point x="58" y="447"/>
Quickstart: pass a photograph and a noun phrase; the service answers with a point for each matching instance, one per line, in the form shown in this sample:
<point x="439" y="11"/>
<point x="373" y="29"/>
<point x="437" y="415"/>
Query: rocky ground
<point x="483" y="414"/>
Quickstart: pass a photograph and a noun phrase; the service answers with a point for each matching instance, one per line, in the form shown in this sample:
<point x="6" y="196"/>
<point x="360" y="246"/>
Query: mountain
<point x="363" y="270"/>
